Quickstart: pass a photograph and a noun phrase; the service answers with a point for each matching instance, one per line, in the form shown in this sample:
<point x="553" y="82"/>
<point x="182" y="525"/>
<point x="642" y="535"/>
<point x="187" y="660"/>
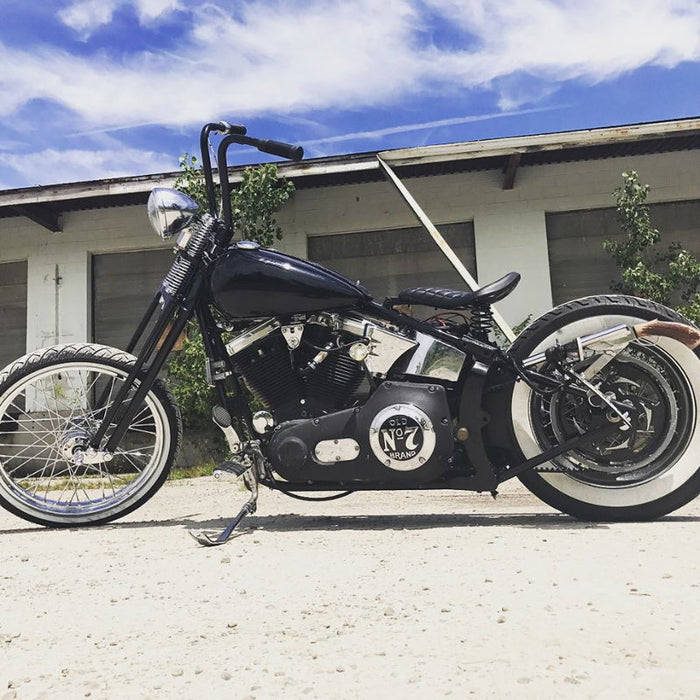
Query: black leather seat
<point x="455" y="299"/>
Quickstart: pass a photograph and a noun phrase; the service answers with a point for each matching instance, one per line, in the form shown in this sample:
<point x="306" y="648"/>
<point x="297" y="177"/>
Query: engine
<point x="327" y="425"/>
<point x="298" y="370"/>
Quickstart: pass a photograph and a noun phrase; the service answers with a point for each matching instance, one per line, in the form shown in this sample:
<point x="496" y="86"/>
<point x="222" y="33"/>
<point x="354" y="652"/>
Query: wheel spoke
<point x="53" y="410"/>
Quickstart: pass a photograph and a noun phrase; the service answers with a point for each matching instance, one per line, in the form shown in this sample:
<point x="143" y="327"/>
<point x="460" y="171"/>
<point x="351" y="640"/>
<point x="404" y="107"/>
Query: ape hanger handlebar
<point x="234" y="133"/>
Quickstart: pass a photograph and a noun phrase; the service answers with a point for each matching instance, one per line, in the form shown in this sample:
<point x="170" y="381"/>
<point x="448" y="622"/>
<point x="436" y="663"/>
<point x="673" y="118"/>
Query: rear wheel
<point x="639" y="474"/>
<point x="51" y="403"/>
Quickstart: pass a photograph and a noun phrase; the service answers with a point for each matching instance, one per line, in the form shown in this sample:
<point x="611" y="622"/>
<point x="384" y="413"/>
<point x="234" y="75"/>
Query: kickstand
<point x="212" y="538"/>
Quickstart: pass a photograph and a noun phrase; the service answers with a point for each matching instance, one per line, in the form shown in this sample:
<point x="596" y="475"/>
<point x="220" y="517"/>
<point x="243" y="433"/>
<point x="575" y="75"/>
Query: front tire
<point x="51" y="402"/>
<point x="645" y="477"/>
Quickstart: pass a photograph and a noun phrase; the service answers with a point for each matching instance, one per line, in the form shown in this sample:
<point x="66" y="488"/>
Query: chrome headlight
<point x="170" y="211"/>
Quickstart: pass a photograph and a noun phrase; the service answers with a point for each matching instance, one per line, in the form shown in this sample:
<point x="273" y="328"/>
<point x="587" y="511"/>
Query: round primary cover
<point x="402" y="437"/>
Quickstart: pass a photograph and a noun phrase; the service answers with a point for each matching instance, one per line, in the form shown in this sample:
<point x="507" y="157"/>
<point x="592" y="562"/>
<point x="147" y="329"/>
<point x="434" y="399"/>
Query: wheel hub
<point x="74" y="446"/>
<point x="641" y="393"/>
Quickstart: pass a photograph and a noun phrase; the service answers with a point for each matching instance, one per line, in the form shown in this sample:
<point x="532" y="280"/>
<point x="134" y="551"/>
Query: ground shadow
<point x="301" y="523"/>
<point x="291" y="522"/>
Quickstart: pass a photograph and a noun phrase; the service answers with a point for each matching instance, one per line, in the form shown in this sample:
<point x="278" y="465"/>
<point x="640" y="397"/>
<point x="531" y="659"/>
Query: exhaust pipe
<point x="688" y="335"/>
<point x="614" y="340"/>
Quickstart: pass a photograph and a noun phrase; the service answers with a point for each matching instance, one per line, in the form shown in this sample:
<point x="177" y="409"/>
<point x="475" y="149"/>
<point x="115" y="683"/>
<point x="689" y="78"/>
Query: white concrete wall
<point x="509" y="225"/>
<point x="509" y="229"/>
<point x="59" y="268"/>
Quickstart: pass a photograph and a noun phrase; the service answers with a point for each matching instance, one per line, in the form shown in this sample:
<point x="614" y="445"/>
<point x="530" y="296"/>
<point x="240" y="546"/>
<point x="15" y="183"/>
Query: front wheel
<point x="639" y="475"/>
<point x="51" y="403"/>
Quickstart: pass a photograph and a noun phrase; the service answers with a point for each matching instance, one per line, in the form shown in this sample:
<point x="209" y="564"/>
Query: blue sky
<point x="107" y="88"/>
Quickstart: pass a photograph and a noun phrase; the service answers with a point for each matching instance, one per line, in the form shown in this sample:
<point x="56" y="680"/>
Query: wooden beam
<point x="429" y="226"/>
<point x="41" y="214"/>
<point x="510" y="169"/>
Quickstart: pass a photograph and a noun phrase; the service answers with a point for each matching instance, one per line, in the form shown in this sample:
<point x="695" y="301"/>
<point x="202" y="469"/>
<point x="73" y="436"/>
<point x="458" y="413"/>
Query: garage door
<point x="123" y="284"/>
<point x="385" y="262"/>
<point x="579" y="266"/>
<point x="13" y="310"/>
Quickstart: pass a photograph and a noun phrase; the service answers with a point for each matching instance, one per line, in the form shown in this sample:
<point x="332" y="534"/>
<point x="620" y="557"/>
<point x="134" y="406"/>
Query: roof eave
<point x="333" y="169"/>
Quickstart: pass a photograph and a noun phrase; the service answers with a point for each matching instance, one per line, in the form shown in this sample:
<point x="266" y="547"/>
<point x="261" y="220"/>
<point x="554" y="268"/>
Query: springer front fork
<point x="150" y="359"/>
<point x="153" y="351"/>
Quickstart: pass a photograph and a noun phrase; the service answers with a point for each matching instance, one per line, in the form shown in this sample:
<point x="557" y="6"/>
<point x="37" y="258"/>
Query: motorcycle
<point x="593" y="407"/>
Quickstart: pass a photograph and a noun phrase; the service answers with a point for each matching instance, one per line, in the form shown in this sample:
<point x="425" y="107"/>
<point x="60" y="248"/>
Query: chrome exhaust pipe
<point x="612" y="341"/>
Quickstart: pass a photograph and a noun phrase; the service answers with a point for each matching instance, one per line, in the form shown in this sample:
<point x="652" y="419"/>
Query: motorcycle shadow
<point x="292" y="522"/>
<point x="305" y="523"/>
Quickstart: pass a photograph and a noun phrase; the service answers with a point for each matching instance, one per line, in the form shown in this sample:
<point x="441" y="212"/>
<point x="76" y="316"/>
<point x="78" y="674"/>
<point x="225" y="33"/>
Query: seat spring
<point x="481" y="322"/>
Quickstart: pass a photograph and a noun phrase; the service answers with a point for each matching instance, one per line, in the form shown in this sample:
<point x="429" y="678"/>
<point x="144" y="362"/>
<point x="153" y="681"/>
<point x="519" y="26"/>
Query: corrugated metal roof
<point x="491" y="154"/>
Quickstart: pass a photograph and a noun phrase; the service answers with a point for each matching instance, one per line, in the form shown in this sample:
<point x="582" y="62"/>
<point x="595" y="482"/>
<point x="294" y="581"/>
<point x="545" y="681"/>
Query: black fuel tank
<point x="252" y="282"/>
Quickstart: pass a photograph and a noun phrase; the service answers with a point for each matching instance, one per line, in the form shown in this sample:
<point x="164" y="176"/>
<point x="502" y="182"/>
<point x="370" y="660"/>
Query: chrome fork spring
<point x="185" y="263"/>
<point x="201" y="234"/>
<point x="177" y="275"/>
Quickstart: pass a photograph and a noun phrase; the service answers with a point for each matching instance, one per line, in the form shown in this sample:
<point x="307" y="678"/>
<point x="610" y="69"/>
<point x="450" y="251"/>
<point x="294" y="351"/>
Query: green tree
<point x="254" y="203"/>
<point x="669" y="275"/>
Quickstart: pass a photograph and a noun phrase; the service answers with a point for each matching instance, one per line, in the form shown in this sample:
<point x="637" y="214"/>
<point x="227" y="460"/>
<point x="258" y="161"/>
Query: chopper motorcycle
<point x="594" y="407"/>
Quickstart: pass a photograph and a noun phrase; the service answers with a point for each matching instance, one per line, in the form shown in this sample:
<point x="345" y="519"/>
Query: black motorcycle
<point x="594" y="407"/>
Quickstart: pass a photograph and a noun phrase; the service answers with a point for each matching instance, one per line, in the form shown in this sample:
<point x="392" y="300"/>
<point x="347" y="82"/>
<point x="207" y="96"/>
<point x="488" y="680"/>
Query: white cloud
<point x="75" y="165"/>
<point x="150" y="10"/>
<point x="281" y="58"/>
<point x="421" y="126"/>
<point x="85" y="16"/>
<point x="558" y="40"/>
<point x="293" y="57"/>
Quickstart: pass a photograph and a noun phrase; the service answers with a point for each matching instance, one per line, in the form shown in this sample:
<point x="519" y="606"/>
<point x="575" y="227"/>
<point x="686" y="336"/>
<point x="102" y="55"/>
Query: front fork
<point x="150" y="359"/>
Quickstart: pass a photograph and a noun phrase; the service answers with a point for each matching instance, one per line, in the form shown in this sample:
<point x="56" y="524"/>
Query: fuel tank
<point x="252" y="282"/>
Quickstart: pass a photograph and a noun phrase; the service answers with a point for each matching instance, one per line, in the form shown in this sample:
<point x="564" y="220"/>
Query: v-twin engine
<point x="296" y="371"/>
<point x="326" y="425"/>
<point x="314" y="366"/>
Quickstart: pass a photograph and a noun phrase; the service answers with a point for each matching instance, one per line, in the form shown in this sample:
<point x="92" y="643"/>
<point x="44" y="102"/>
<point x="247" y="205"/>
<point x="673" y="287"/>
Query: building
<point x="78" y="262"/>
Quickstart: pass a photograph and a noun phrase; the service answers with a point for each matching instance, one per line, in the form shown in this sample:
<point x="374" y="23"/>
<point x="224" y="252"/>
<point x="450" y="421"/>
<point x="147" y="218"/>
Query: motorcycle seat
<point x="457" y="299"/>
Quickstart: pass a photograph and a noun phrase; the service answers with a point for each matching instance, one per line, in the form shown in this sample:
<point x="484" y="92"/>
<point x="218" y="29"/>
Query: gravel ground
<point x="401" y="595"/>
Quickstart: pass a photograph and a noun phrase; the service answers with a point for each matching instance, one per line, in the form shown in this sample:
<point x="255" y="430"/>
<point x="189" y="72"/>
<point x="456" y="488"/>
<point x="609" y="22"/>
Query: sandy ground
<point x="389" y="595"/>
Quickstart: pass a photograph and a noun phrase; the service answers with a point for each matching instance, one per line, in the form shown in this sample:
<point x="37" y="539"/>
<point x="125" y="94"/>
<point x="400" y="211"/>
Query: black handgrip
<point x="283" y="150"/>
<point x="227" y="128"/>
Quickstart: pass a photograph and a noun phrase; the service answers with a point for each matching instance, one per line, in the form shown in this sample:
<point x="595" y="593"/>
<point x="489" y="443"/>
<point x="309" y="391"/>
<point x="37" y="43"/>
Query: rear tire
<point x="655" y="472"/>
<point x="52" y="401"/>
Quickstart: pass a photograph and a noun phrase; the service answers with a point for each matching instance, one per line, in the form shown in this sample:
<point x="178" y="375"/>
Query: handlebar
<point x="279" y="148"/>
<point x="275" y="148"/>
<point x="223" y="127"/>
<point x="235" y="133"/>
<point x="226" y="128"/>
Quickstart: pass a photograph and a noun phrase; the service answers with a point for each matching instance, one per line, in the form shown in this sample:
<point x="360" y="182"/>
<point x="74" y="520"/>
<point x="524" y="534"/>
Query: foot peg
<point x="230" y="466"/>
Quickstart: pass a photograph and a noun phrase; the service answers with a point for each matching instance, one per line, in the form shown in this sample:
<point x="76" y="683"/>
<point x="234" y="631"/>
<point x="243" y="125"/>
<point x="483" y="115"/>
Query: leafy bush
<point x="254" y="202"/>
<point x="669" y="275"/>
